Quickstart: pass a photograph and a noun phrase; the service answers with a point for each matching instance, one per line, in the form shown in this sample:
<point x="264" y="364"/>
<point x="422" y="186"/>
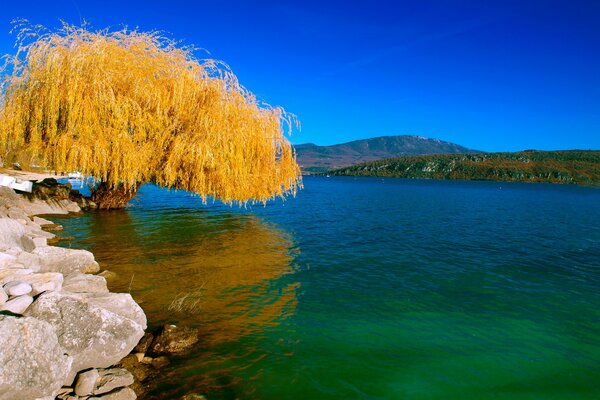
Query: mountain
<point x="314" y="158"/>
<point x="569" y="166"/>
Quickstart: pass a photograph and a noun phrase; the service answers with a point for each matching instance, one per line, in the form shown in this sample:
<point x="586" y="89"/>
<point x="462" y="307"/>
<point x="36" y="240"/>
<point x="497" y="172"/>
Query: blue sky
<point x="490" y="75"/>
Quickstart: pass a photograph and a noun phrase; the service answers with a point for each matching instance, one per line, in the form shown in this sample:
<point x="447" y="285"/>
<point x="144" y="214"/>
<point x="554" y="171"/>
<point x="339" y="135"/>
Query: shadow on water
<point x="226" y="273"/>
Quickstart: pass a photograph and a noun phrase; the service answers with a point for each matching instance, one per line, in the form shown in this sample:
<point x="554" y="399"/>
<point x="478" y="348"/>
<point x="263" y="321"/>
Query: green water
<point x="368" y="289"/>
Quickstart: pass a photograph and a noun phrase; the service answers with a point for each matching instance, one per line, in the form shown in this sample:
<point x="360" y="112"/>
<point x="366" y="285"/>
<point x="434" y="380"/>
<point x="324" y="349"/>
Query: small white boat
<point x="75" y="175"/>
<point x="13" y="183"/>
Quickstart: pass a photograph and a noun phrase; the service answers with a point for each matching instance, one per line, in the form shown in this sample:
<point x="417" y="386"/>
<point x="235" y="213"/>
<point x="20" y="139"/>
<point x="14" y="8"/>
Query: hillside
<point x="572" y="166"/>
<point x="314" y="158"/>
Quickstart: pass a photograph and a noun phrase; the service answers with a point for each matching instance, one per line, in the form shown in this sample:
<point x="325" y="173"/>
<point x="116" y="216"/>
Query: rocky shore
<point x="62" y="332"/>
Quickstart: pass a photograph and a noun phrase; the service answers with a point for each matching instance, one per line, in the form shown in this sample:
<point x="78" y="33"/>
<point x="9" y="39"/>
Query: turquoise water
<point x="369" y="289"/>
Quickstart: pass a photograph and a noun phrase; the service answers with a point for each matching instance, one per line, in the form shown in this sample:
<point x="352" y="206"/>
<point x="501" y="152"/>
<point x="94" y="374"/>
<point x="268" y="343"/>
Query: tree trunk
<point x="109" y="198"/>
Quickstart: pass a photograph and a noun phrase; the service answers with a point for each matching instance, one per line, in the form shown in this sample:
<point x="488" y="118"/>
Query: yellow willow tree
<point x="129" y="107"/>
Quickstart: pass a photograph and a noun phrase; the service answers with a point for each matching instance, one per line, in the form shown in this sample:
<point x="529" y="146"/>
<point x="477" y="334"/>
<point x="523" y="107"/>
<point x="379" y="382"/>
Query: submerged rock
<point x="144" y="343"/>
<point x="175" y="340"/>
<point x="32" y="363"/>
<point x="95" y="331"/>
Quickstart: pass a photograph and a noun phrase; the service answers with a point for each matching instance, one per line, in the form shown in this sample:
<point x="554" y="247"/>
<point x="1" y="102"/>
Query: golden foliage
<point x="127" y="107"/>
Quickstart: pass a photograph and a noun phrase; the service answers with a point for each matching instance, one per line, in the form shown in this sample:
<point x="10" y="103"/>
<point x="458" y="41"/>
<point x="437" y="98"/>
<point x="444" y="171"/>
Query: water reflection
<point x="227" y="274"/>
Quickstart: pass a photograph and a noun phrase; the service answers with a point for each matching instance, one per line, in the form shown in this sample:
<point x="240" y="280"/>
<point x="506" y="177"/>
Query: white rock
<point x="18" y="305"/>
<point x="42" y="221"/>
<point x="3" y="296"/>
<point x="12" y="234"/>
<point x="32" y="363"/>
<point x="44" y="282"/>
<point x="17" y="288"/>
<point x="40" y="242"/>
<point x="97" y="331"/>
<point x="85" y="283"/>
<point x="6" y="259"/>
<point x="86" y="382"/>
<point x="65" y="261"/>
<point x="13" y="274"/>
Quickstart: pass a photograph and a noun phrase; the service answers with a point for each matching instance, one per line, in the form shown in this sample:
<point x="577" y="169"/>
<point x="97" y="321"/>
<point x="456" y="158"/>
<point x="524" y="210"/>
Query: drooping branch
<point x="129" y="107"/>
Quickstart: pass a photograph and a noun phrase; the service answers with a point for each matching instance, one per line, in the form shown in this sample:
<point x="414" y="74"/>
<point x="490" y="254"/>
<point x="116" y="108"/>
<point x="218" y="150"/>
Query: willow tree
<point x="128" y="107"/>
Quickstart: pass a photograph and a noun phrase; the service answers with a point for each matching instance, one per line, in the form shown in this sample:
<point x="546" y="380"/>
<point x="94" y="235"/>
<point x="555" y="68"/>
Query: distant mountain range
<point x="313" y="158"/>
<point x="570" y="166"/>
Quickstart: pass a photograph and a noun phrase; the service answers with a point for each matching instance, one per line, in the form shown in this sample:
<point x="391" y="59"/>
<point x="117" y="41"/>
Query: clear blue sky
<point x="490" y="75"/>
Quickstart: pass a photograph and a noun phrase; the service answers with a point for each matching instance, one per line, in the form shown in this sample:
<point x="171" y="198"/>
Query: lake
<point x="368" y="288"/>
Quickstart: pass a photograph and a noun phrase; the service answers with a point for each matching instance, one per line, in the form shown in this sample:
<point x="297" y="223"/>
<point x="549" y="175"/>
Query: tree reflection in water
<point x="227" y="274"/>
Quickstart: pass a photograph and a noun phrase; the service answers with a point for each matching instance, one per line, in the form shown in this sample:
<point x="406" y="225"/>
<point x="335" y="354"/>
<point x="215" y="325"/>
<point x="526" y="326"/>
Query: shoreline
<point x="60" y="325"/>
<point x="63" y="334"/>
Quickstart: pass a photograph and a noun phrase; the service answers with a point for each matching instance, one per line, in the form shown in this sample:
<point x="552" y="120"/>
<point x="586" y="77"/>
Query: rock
<point x="3" y="297"/>
<point x="40" y="242"/>
<point x="175" y="340"/>
<point x="96" y="332"/>
<point x="144" y="343"/>
<point x="139" y="371"/>
<point x="192" y="396"/>
<point x="44" y="282"/>
<point x="13" y="274"/>
<point x="111" y="379"/>
<point x="121" y="394"/>
<point x="53" y="228"/>
<point x="41" y="233"/>
<point x="6" y="260"/>
<point x="42" y="221"/>
<point x="84" y="283"/>
<point x="65" y="261"/>
<point x="17" y="288"/>
<point x="160" y="362"/>
<point x="86" y="382"/>
<point x="139" y="356"/>
<point x="12" y="234"/>
<point x="18" y="305"/>
<point x="64" y="390"/>
<point x="38" y="368"/>
<point x="108" y="275"/>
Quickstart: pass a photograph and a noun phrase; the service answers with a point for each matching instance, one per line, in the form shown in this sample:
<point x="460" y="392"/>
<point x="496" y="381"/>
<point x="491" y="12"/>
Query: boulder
<point x="12" y="234"/>
<point x="175" y="340"/>
<point x="65" y="261"/>
<point x="111" y="379"/>
<point x="160" y="362"/>
<point x="96" y="332"/>
<point x="32" y="363"/>
<point x="86" y="382"/>
<point x="18" y="305"/>
<point x="85" y="283"/>
<point x="17" y="288"/>
<point x="3" y="297"/>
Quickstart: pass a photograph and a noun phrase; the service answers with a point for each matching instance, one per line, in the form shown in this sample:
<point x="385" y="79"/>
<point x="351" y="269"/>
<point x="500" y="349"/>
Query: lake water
<point x="368" y="288"/>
